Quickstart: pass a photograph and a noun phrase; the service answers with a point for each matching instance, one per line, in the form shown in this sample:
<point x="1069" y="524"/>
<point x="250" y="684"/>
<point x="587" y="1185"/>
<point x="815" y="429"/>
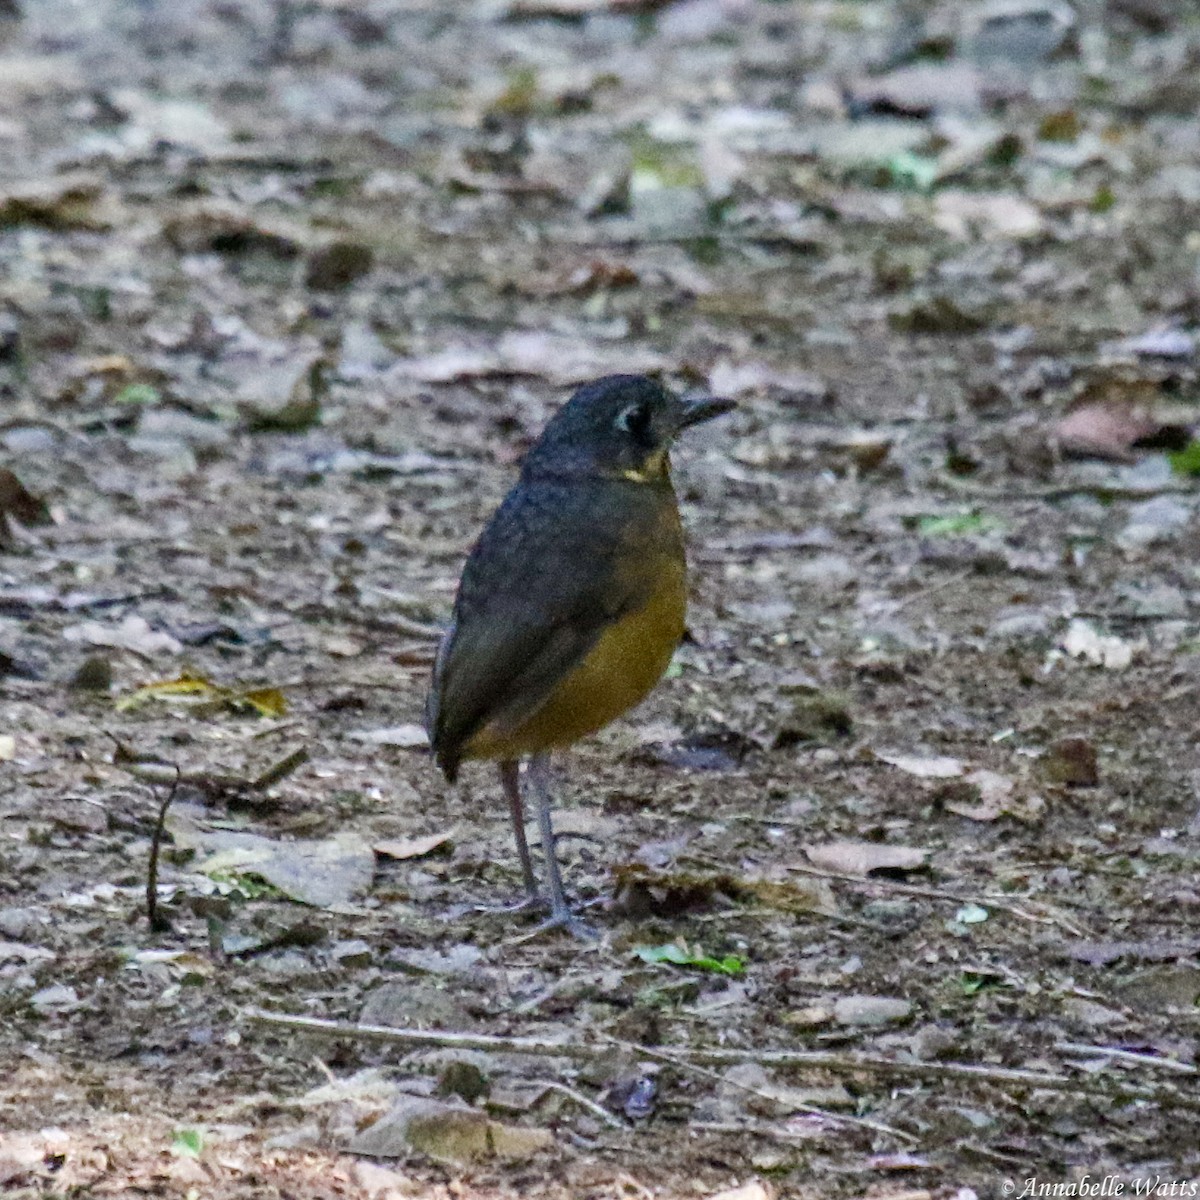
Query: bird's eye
<point x="635" y="420"/>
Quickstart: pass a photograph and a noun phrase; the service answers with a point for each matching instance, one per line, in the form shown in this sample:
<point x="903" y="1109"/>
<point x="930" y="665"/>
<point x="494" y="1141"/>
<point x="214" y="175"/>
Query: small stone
<point x="1154" y="521"/>
<point x="94" y="674"/>
<point x="58" y="998"/>
<point x="868" y="1011"/>
<point x="808" y="1018"/>
<point x="17" y="923"/>
<point x="446" y="1133"/>
<point x="1020" y="624"/>
<point x="932" y="1041"/>
<point x="1090" y="1014"/>
<point x="401" y="1003"/>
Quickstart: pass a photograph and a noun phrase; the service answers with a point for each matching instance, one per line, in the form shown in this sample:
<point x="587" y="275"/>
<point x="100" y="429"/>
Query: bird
<point x="571" y="603"/>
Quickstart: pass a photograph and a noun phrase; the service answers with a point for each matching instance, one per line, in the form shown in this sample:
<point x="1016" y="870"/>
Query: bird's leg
<point x="560" y="912"/>
<point x="511" y="782"/>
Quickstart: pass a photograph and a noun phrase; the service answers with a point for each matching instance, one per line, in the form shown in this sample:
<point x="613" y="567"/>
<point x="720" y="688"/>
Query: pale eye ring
<point x="635" y="420"/>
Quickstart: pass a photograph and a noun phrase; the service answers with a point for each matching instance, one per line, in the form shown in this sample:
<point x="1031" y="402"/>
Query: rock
<point x="1020" y="623"/>
<point x="1154" y="601"/>
<point x="932" y="1041"/>
<point x="322" y="873"/>
<point x="58" y="998"/>
<point x="1020" y="31"/>
<point x="172" y="424"/>
<point x="870" y="1011"/>
<point x="18" y="923"/>
<point x="1154" y="521"/>
<point x="755" y="1190"/>
<point x="1091" y="1015"/>
<point x="407" y="1002"/>
<point x="1166" y="987"/>
<point x="446" y="1133"/>
<point x="920" y="89"/>
<point x="94" y="674"/>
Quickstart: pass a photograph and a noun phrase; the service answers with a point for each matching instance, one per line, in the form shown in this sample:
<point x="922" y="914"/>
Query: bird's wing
<point x="541" y="585"/>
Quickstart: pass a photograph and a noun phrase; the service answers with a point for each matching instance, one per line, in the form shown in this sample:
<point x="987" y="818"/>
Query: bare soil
<point x="286" y="290"/>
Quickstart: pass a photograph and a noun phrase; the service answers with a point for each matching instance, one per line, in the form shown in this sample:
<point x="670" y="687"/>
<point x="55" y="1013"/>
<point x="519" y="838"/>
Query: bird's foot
<point x="559" y="918"/>
<point x="564" y="918"/>
<point x="533" y="902"/>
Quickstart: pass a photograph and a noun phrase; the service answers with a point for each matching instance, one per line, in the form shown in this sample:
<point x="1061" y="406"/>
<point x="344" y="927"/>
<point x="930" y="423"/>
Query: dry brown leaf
<point x="1114" y="413"/>
<point x="928" y="767"/>
<point x="134" y="633"/>
<point x="416" y="847"/>
<point x="406" y="737"/>
<point x="18" y="504"/>
<point x="862" y="858"/>
<point x="756" y="1190"/>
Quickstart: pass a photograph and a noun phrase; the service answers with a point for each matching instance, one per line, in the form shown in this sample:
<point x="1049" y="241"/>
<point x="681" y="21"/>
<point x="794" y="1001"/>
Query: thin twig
<point x="396" y="623"/>
<point x="763" y="1129"/>
<point x="1130" y="1056"/>
<point x="597" y="1110"/>
<point x="1105" y="491"/>
<point x="913" y="889"/>
<point x="157" y="922"/>
<point x="214" y="783"/>
<point x="809" y="1109"/>
<point x="816" y="1059"/>
<point x="281" y="768"/>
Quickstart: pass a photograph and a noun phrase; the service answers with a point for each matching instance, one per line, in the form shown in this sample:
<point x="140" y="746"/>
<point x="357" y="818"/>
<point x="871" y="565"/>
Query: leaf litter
<point x="269" y="355"/>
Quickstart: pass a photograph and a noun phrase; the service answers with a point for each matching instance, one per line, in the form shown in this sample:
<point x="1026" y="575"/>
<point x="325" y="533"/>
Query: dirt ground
<point x="286" y="290"/>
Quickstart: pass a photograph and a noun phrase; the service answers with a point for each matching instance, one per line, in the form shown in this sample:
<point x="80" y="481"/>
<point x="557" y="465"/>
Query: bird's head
<point x="621" y="426"/>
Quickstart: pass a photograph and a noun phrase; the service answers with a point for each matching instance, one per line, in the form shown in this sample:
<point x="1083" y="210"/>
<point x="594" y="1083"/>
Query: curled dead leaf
<point x="934" y="766"/>
<point x="864" y="858"/>
<point x="417" y="847"/>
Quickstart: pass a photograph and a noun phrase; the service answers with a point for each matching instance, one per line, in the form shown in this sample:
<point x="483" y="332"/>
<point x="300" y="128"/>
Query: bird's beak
<point x="702" y="408"/>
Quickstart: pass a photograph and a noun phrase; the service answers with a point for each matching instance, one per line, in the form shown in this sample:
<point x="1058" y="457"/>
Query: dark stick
<point x="158" y="922"/>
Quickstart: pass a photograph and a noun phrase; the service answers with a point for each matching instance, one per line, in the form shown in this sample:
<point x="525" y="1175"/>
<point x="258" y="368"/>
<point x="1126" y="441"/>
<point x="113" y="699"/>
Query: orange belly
<point x="619" y="671"/>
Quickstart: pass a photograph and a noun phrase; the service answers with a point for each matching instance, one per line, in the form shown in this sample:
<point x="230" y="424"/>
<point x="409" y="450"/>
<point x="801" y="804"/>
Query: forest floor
<point x="286" y="290"/>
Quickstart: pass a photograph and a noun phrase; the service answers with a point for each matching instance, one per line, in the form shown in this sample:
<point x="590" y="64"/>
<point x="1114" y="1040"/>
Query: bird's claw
<point x="564" y="918"/>
<point x="531" y="903"/>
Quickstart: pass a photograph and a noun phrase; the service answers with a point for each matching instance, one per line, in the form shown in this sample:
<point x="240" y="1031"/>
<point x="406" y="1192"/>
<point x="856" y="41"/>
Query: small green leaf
<point x="1187" y="460"/>
<point x="909" y="170"/>
<point x="243" y="885"/>
<point x="138" y="393"/>
<point x="187" y="1142"/>
<point x="957" y="524"/>
<point x="974" y="982"/>
<point x="681" y="956"/>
